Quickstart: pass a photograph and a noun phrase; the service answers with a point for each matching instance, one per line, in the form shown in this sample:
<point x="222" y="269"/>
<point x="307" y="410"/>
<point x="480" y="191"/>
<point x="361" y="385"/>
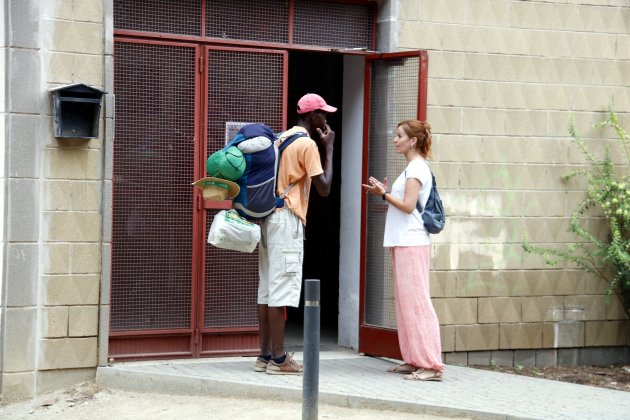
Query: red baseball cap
<point x="311" y="102"/>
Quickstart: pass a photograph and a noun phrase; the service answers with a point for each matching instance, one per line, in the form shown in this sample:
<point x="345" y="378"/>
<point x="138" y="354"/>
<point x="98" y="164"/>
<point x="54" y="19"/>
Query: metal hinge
<point x="200" y="64"/>
<point x="196" y="336"/>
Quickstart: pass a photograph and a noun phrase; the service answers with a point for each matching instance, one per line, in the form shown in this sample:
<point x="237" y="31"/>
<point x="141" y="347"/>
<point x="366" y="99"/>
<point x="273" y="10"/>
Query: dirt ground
<point x="611" y="377"/>
<point x="88" y="401"/>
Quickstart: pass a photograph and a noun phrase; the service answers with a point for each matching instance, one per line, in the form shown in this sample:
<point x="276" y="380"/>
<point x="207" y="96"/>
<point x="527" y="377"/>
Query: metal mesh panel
<point x="242" y="87"/>
<point x="182" y="17"/>
<point x="329" y="24"/>
<point x="153" y="168"/>
<point x="394" y="97"/>
<point x="266" y="21"/>
<point x="231" y="287"/>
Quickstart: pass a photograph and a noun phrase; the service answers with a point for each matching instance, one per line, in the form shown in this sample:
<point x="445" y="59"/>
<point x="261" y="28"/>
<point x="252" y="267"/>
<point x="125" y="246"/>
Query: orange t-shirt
<point x="300" y="162"/>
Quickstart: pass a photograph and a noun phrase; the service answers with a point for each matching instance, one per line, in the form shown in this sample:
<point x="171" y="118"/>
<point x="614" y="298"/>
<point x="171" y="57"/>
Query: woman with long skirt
<point x="409" y="244"/>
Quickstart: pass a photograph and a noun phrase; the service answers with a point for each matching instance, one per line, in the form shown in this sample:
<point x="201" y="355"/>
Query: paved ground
<point x="348" y="379"/>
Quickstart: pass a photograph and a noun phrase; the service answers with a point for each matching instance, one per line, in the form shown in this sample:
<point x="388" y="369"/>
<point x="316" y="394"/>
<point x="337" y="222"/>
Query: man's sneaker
<point x="261" y="364"/>
<point x="289" y="367"/>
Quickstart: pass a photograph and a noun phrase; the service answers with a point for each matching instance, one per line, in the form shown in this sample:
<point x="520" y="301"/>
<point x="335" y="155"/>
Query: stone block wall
<point x="504" y="78"/>
<point x="54" y="211"/>
<point x="3" y="141"/>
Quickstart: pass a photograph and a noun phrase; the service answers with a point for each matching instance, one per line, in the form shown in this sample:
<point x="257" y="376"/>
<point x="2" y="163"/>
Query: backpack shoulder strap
<point x="418" y="206"/>
<point x="287" y="141"/>
<point x="283" y="145"/>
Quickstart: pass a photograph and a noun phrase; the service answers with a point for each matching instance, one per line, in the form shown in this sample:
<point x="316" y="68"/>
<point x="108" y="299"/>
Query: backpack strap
<point x="287" y="141"/>
<point x="283" y="145"/>
<point x="418" y="206"/>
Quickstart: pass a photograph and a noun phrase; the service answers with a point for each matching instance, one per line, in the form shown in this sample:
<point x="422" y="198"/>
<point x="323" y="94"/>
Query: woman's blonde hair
<point x="421" y="130"/>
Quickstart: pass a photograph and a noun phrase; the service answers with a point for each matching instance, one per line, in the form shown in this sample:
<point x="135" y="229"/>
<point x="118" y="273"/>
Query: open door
<point x="395" y="90"/>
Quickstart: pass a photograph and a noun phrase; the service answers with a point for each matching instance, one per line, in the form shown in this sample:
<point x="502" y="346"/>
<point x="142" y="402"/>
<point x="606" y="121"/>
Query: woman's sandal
<point x="405" y="368"/>
<point x="424" y="375"/>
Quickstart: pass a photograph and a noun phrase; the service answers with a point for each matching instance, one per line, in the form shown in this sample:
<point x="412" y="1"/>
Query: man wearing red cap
<point x="282" y="245"/>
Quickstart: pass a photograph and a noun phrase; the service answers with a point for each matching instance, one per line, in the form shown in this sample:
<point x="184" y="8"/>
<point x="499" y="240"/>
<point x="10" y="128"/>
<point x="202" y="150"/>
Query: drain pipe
<point x="310" y="380"/>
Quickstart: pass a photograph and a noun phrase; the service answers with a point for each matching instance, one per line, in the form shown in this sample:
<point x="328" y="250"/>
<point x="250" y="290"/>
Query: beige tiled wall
<point x="54" y="336"/>
<point x="3" y="144"/>
<point x="504" y="76"/>
<point x="72" y="199"/>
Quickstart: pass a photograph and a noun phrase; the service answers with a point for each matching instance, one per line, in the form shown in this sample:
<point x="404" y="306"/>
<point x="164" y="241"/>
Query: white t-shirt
<point x="407" y="229"/>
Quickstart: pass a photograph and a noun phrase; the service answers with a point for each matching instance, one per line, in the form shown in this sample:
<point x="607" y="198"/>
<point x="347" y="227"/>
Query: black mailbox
<point x="76" y="109"/>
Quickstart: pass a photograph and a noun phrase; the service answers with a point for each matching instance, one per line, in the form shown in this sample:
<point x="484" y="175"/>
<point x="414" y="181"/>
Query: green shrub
<point x="609" y="192"/>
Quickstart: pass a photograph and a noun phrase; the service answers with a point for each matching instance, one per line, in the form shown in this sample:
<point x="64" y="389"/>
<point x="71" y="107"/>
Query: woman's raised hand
<point x="375" y="186"/>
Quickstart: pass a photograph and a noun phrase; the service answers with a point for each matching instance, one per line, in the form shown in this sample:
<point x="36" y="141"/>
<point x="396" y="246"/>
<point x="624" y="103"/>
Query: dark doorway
<point x="320" y="73"/>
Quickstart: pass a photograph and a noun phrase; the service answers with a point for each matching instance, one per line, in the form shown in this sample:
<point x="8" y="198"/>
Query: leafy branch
<point x="609" y="192"/>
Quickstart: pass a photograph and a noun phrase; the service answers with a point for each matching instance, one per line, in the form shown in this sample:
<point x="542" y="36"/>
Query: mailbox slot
<point x="76" y="111"/>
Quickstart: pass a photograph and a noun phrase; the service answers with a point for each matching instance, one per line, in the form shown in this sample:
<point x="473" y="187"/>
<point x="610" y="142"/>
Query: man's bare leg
<point x="263" y="325"/>
<point x="276" y="330"/>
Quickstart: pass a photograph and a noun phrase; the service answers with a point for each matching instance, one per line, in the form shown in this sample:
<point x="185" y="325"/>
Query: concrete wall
<point x="53" y="211"/>
<point x="504" y="76"/>
<point x="350" y="212"/>
<point x="3" y="138"/>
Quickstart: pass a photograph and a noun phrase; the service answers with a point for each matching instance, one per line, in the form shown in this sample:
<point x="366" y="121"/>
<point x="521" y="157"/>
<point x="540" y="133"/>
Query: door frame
<point x="376" y="340"/>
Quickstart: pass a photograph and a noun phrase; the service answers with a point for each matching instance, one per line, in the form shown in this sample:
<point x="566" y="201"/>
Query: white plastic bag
<point x="231" y="231"/>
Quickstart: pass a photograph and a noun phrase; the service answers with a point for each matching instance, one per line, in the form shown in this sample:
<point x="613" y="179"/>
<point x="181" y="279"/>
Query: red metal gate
<point x="395" y="89"/>
<point x="152" y="224"/>
<point x="181" y="71"/>
<point x="166" y="301"/>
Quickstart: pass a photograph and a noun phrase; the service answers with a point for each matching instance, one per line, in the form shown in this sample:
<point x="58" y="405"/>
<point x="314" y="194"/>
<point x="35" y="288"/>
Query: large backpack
<point x="433" y="215"/>
<point x="258" y="198"/>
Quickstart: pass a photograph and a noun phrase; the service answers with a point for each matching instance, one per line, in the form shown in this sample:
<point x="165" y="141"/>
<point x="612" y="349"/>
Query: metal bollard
<point x="310" y="380"/>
